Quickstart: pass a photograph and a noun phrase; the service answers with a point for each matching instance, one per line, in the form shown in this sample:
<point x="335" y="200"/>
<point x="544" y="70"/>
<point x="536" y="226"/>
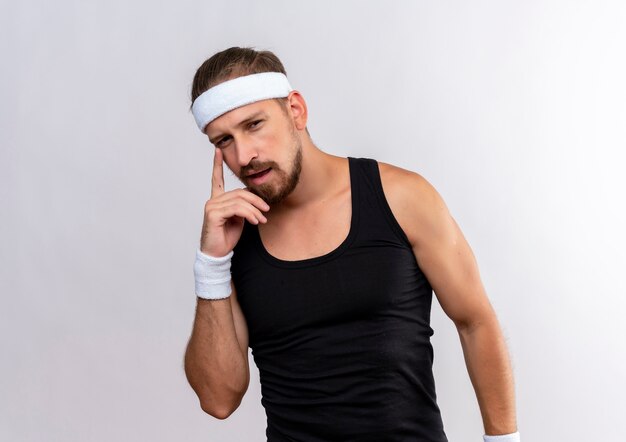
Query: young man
<point x="333" y="264"/>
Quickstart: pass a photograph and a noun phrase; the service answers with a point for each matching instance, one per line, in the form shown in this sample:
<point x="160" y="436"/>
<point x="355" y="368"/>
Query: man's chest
<point x="309" y="234"/>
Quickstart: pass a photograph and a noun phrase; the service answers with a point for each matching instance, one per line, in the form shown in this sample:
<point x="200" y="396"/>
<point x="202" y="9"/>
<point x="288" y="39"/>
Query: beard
<point x="284" y="183"/>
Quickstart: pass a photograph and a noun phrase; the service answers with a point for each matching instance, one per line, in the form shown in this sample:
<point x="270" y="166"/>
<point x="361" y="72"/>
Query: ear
<point x="298" y="108"/>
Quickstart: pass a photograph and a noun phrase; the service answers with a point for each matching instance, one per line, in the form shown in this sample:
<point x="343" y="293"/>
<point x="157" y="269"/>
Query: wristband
<point x="512" y="437"/>
<point x="212" y="276"/>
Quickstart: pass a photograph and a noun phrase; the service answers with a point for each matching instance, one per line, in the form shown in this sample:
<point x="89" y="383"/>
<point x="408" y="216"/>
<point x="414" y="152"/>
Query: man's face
<point x="260" y="145"/>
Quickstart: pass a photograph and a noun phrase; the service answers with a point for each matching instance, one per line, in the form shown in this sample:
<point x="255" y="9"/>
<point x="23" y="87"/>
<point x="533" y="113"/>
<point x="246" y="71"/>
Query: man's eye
<point x="222" y="142"/>
<point x="255" y="123"/>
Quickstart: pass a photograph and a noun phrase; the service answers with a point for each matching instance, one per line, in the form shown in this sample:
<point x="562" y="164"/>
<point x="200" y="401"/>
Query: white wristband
<point x="512" y="437"/>
<point x="212" y="276"/>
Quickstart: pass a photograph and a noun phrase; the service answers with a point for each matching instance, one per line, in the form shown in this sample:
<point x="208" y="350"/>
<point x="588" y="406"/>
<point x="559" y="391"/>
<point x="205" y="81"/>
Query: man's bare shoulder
<point x="414" y="201"/>
<point x="406" y="189"/>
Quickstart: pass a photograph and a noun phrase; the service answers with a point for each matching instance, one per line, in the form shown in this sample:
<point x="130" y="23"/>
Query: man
<point x="334" y="261"/>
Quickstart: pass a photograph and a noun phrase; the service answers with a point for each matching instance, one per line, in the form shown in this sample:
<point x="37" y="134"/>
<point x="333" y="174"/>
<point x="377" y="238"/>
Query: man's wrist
<point x="511" y="437"/>
<point x="212" y="276"/>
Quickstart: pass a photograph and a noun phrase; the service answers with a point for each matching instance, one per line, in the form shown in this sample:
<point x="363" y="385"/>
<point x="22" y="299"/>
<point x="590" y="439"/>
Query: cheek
<point x="268" y="139"/>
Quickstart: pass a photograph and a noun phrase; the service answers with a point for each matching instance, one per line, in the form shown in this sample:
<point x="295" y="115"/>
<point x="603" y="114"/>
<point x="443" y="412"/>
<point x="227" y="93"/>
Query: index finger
<point x="217" y="182"/>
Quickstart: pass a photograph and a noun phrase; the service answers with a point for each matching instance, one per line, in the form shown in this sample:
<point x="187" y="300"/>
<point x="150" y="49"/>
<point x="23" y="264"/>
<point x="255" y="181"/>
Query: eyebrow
<point x="254" y="116"/>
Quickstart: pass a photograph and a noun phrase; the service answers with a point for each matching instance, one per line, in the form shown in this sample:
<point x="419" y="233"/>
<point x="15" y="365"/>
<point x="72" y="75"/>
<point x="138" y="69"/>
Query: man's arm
<point x="447" y="260"/>
<point x="216" y="359"/>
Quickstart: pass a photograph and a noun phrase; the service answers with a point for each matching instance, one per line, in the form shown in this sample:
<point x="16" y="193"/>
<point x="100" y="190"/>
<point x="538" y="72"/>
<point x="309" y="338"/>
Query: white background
<point x="514" y="111"/>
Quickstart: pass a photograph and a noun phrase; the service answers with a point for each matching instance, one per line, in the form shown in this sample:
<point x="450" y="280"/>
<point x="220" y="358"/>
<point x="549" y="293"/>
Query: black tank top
<point x="342" y="341"/>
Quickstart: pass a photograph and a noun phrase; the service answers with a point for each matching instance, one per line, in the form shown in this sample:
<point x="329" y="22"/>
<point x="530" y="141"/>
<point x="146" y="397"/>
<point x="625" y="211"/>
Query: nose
<point x="246" y="151"/>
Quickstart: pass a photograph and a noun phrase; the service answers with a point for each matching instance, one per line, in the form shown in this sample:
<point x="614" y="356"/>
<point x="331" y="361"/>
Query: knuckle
<point x="212" y="216"/>
<point x="209" y="207"/>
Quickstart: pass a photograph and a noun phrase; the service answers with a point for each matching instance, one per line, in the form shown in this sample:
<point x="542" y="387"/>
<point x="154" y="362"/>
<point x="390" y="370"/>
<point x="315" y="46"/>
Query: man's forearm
<point x="489" y="368"/>
<point x="215" y="366"/>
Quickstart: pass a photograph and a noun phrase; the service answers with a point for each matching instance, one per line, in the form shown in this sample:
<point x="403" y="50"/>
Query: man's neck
<point x="318" y="179"/>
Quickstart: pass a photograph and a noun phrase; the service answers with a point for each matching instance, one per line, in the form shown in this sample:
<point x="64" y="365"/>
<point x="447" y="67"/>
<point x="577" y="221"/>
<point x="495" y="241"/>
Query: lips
<point x="258" y="174"/>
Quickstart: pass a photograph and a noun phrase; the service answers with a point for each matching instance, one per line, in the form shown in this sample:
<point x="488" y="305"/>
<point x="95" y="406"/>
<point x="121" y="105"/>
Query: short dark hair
<point x="232" y="63"/>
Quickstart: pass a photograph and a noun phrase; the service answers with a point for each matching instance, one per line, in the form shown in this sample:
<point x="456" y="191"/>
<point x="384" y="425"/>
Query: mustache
<point x="256" y="165"/>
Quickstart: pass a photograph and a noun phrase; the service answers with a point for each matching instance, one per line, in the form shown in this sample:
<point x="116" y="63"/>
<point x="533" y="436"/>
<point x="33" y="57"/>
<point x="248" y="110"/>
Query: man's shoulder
<point x="403" y="184"/>
<point x="413" y="200"/>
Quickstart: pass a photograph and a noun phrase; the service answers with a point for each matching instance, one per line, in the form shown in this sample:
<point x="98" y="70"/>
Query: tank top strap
<point x="372" y="202"/>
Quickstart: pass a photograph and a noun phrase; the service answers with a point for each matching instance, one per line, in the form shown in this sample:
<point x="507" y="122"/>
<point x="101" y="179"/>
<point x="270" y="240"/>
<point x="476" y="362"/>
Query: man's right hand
<point x="225" y="212"/>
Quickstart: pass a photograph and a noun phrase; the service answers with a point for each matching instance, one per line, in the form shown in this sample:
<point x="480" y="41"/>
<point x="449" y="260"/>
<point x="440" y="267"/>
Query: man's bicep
<point x="448" y="262"/>
<point x="438" y="244"/>
<point x="241" y="328"/>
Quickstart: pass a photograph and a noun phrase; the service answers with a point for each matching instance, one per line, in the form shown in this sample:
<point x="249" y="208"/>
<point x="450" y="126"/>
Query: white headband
<point x="238" y="92"/>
